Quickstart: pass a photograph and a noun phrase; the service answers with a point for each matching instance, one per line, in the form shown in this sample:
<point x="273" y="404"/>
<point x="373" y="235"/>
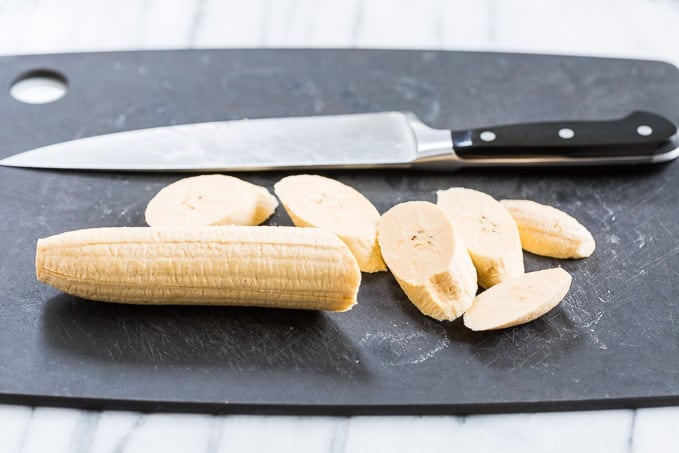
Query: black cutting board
<point x="613" y="341"/>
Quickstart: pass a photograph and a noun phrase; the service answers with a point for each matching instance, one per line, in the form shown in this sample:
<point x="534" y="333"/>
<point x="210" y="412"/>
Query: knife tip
<point x="18" y="163"/>
<point x="9" y="162"/>
<point x="20" y="160"/>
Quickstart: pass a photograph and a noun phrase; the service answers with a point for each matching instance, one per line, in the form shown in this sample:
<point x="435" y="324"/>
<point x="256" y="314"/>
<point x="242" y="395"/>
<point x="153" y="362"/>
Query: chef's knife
<point x="369" y="140"/>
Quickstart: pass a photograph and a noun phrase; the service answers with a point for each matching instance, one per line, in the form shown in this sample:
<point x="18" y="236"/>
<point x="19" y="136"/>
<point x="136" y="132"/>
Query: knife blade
<point x="368" y="140"/>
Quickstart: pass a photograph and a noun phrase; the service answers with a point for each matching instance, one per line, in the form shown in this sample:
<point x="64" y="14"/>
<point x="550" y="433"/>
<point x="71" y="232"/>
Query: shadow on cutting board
<point x="228" y="337"/>
<point x="532" y="345"/>
<point x="415" y="338"/>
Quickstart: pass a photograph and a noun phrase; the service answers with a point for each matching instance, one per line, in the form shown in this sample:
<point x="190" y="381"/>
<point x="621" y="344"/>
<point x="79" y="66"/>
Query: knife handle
<point x="638" y="134"/>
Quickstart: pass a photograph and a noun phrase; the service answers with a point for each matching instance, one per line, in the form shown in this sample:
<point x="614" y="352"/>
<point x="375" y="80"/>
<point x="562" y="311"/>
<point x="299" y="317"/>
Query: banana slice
<point x="428" y="259"/>
<point x="210" y="200"/>
<point x="489" y="232"/>
<point x="316" y="201"/>
<point x="518" y="300"/>
<point x="264" y="266"/>
<point x="547" y="231"/>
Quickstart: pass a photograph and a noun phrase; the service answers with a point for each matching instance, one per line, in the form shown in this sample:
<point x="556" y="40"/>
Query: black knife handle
<point x="638" y="134"/>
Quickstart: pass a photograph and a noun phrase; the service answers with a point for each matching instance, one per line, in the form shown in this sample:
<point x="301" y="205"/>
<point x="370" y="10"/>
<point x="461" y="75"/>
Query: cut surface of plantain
<point x="210" y="200"/>
<point x="488" y="231"/>
<point x="317" y="201"/>
<point x="266" y="266"/>
<point x="428" y="259"/>
<point x="548" y="231"/>
<point x="518" y="300"/>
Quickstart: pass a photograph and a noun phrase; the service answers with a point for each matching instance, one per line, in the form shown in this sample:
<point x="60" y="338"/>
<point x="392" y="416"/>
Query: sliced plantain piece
<point x="518" y="300"/>
<point x="428" y="259"/>
<point x="210" y="200"/>
<point x="264" y="266"/>
<point x="548" y="231"/>
<point x="489" y="232"/>
<point x="316" y="201"/>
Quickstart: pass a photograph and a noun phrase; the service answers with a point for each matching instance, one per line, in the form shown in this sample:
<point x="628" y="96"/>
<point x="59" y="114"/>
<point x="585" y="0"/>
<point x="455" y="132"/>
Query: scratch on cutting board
<point x="646" y="196"/>
<point x="640" y="240"/>
<point x="610" y="213"/>
<point x="659" y="260"/>
<point x="613" y="239"/>
<point x="403" y="348"/>
<point x="587" y="319"/>
<point x="595" y="321"/>
<point x="522" y="363"/>
<point x="593" y="332"/>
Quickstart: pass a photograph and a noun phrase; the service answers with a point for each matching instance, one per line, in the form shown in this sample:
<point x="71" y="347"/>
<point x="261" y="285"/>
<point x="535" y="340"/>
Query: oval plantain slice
<point x="518" y="300"/>
<point x="489" y="232"/>
<point x="427" y="258"/>
<point x="210" y="200"/>
<point x="548" y="231"/>
<point x="317" y="201"/>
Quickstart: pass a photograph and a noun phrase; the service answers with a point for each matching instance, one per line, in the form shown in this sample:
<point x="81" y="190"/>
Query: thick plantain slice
<point x="428" y="259"/>
<point x="548" y="231"/>
<point x="518" y="300"/>
<point x="210" y="200"/>
<point x="489" y="232"/>
<point x="316" y="201"/>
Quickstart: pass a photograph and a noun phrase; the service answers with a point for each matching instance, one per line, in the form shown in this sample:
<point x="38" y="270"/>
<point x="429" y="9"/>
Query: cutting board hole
<point x="39" y="87"/>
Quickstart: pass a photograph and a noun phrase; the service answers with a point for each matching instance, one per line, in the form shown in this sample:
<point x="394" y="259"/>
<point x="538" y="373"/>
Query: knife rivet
<point x="566" y="133"/>
<point x="487" y="136"/>
<point x="644" y="130"/>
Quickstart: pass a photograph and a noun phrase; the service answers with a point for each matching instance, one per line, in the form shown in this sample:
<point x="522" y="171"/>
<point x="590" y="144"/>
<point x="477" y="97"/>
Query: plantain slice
<point x="489" y="232"/>
<point x="317" y="201"/>
<point x="548" y="231"/>
<point x="210" y="200"/>
<point x="518" y="300"/>
<point x="428" y="259"/>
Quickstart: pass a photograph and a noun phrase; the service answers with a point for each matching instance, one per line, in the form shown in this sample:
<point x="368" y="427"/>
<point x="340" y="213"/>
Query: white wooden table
<point x="625" y="28"/>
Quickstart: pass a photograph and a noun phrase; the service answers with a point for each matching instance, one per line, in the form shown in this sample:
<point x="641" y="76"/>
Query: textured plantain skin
<point x="266" y="266"/>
